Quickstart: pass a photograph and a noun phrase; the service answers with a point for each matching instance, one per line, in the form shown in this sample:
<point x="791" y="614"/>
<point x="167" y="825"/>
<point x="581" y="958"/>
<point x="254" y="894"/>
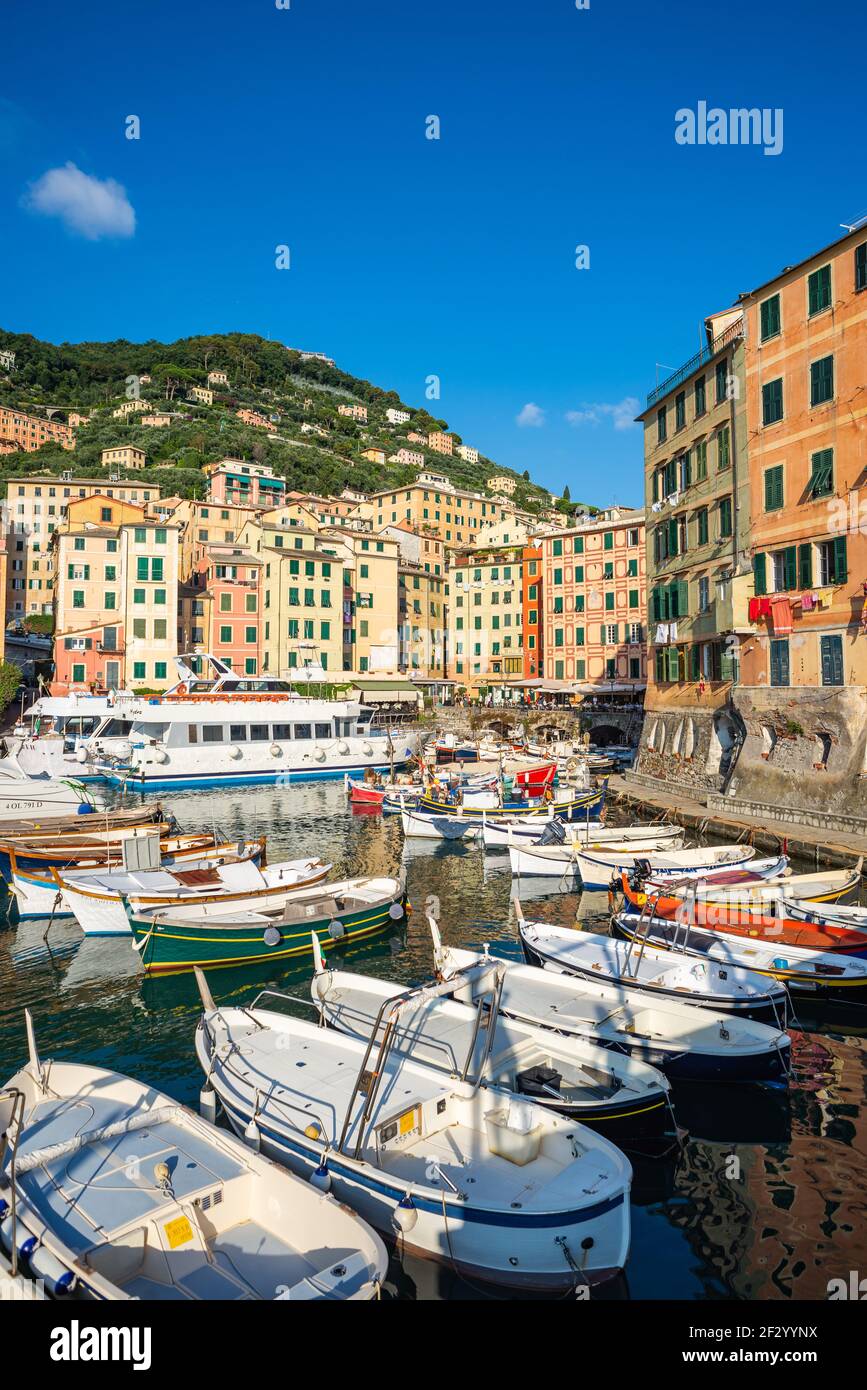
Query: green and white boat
<point x="211" y="934"/>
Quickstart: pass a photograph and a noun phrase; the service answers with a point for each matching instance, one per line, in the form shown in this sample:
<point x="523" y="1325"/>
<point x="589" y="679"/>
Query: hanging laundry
<point x="808" y="602"/>
<point x="754" y="609"/>
<point x="826" y="597"/>
<point x="661" y="634"/>
<point x="781" y="612"/>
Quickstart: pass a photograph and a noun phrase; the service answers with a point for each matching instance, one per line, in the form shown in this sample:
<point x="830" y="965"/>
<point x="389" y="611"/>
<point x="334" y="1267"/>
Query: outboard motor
<point x="553" y="834"/>
<point x="641" y="871"/>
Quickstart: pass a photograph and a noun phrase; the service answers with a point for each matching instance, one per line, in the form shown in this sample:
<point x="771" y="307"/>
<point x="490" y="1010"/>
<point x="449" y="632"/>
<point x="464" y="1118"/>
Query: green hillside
<point x="316" y="449"/>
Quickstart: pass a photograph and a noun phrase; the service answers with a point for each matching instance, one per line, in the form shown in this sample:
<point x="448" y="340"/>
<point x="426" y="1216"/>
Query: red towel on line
<point x="781" y="610"/>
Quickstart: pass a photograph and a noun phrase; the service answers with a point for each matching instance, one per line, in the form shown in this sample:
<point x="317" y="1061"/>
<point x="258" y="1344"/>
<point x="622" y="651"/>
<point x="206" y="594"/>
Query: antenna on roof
<point x="858" y="222"/>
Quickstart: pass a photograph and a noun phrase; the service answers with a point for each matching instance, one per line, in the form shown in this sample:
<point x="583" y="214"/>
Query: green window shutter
<point x="840" y="566"/>
<point x="673" y="664"/>
<point x="603" y="635"/>
<point x="861" y="267"/>
<point x="774" y="488"/>
<point x="655" y="476"/>
<point x="654" y="604"/>
<point x="760" y="573"/>
<point x="695" y="657"/>
<point x="805" y="565"/>
<point x="672" y="536"/>
<point x="726" y="664"/>
<point x="579" y="545"/>
<point x="682" y="598"/>
<point x="822" y="473"/>
<point x="790" y="567"/>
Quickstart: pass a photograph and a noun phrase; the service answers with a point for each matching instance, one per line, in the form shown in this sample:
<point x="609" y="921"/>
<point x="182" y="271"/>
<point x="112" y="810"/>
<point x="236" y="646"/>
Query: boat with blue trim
<point x="112" y="1191"/>
<point x="493" y="1186"/>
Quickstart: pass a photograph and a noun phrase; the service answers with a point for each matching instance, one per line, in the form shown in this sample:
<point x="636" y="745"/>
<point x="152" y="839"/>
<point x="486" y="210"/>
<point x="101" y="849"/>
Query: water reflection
<point x="777" y="1223"/>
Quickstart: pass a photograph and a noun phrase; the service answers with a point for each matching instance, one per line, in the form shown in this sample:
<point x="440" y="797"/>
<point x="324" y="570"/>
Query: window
<point x="609" y="602"/>
<point x="701" y="460"/>
<point x="819" y="293"/>
<point x="557" y="548"/>
<point x="78" y="598"/>
<point x="633" y="598"/>
<point x="212" y="733"/>
<point x="721" y="372"/>
<point x="780" y="661"/>
<point x="249" y="634"/>
<point x="111" y="573"/>
<point x="831" y="654"/>
<point x="139" y="627"/>
<point x="784" y="569"/>
<point x="140" y="535"/>
<point x="701" y="526"/>
<point x="725" y="517"/>
<point x="861" y="267"/>
<point x="78" y="674"/>
<point x="608" y="540"/>
<point x="822" y="380"/>
<point x="769" y="312"/>
<point x="225" y="603"/>
<point x="160" y="671"/>
<point x="225" y="634"/>
<point x="700" y="396"/>
<point x="724" y="457"/>
<point x="822" y="473"/>
<point x="139" y="670"/>
<point x="160" y="629"/>
<point x="774" y="488"/>
<point x="661" y="427"/>
<point x="680" y="410"/>
<point x="772" y="401"/>
<point x="833" y="565"/>
<point x="110" y="600"/>
<point x="703" y="594"/>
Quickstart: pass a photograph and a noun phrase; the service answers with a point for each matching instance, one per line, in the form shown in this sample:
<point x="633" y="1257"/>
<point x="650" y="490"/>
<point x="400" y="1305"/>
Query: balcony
<point x="707" y="354"/>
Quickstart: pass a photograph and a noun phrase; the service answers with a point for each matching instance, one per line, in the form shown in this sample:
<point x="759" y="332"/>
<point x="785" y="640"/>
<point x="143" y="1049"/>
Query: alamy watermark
<point x="738" y="126"/>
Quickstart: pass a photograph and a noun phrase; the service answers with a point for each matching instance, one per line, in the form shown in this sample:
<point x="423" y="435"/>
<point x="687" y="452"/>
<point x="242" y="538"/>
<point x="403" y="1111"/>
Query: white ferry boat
<point x="213" y="729"/>
<point x="64" y="735"/>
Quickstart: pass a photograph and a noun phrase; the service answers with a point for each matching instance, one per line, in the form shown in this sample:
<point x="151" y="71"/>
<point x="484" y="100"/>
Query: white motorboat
<point x="421" y="825"/>
<point x="598" y="867"/>
<point x="495" y="1187"/>
<point x="616" y="1095"/>
<point x="666" y="972"/>
<point x="226" y="728"/>
<point x="101" y="902"/>
<point x="546" y="861"/>
<point x="112" y="1190"/>
<point x="38" y="892"/>
<point x="555" y="831"/>
<point x="23" y="796"/>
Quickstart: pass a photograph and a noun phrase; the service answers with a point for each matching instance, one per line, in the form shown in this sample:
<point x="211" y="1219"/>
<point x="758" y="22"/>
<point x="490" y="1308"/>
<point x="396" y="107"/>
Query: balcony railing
<point x="707" y="354"/>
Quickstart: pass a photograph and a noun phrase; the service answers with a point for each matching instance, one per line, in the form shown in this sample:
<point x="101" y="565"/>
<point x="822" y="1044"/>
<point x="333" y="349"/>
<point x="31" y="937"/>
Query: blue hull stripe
<point x="457" y="1210"/>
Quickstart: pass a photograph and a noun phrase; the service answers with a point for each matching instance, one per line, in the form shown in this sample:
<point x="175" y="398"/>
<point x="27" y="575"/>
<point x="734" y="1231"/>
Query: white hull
<point x="529" y="833"/>
<point x="543" y="861"/>
<point x="598" y="869"/>
<point x="22" y="798"/>
<point x="289" y="761"/>
<point x="427" y="827"/>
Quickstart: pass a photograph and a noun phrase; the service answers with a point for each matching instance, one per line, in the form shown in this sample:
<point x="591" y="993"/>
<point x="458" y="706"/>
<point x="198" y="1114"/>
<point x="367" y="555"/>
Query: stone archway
<point x="604" y="734"/>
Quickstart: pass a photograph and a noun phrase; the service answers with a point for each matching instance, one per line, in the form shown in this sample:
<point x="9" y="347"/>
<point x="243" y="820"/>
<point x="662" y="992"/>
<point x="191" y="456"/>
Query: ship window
<point x="282" y="731"/>
<point x="116" y="728"/>
<point x="237" y="733"/>
<point x="323" y="730"/>
<point x="259" y="733"/>
<point x="302" y="731"/>
<point x="192" y="733"/>
<point x="212" y="733"/>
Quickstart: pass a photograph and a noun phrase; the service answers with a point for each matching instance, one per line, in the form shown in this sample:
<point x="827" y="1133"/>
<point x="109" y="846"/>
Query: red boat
<point x="536" y="779"/>
<point x="735" y="919"/>
<point x="372" y="793"/>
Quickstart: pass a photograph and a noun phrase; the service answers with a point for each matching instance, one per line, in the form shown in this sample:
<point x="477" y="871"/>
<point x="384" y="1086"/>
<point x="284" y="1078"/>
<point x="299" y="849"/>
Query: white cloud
<point x="531" y="414"/>
<point x="621" y="413"/>
<point x="93" y="208"/>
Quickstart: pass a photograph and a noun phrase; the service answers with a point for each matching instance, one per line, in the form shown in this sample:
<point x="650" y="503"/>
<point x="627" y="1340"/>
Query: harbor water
<point x="766" y="1195"/>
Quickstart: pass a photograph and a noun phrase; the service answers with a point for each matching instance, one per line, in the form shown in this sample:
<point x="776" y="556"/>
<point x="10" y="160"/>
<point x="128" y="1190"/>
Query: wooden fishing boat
<point x="618" y="1096"/>
<point x="425" y="826"/>
<point x="102" y="904"/>
<point x="373" y="794"/>
<point x="767" y="881"/>
<point x="496" y="1188"/>
<point x="529" y="860"/>
<point x="819" y="974"/>
<point x="598" y="867"/>
<point x="555" y="831"/>
<point x="106" y="847"/>
<point x="271" y="929"/>
<point x="569" y="807"/>
<point x="117" y="1192"/>
<point x="39" y="892"/>
<point x="754" y="921"/>
<point x="32" y="827"/>
<point x="852" y="917"/>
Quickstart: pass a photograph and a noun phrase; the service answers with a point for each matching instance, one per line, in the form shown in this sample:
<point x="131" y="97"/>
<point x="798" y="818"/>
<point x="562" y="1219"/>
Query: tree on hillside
<point x="172" y="377"/>
<point x="566" y="494"/>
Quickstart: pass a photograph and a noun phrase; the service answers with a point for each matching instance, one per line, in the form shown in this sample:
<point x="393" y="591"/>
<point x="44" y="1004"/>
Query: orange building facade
<point x="806" y="384"/>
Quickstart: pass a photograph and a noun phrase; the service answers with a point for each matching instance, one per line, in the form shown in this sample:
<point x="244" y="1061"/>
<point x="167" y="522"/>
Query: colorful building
<point x="27" y="433"/>
<point x="234" y="481"/>
<point x="593" y="589"/>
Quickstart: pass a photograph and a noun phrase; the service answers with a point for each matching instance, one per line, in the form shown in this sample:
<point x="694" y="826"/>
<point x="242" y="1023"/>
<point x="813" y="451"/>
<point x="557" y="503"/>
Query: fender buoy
<point x="276" y="750"/>
<point x="234" y="751"/>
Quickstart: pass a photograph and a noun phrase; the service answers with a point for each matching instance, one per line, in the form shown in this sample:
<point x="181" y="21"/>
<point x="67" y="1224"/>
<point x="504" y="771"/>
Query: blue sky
<point x="410" y="257"/>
